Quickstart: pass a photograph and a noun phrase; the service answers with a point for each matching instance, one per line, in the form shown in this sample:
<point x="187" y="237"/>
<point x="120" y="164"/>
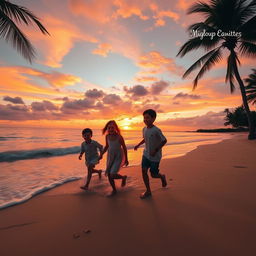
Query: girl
<point x="117" y="154"/>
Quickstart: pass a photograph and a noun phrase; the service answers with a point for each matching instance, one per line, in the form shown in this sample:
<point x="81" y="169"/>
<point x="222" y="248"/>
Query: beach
<point x="208" y="208"/>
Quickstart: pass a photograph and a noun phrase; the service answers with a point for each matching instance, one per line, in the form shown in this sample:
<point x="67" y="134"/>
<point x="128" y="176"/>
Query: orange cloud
<point x="103" y="49"/>
<point x="17" y="80"/>
<point x="97" y="11"/>
<point x="158" y="63"/>
<point x="162" y="14"/>
<point x="185" y="4"/>
<point x="52" y="49"/>
<point x="126" y="9"/>
<point x="143" y="79"/>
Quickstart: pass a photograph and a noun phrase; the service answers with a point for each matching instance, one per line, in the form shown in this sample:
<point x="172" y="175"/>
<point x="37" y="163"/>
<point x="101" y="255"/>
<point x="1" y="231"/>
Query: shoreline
<point x="208" y="208"/>
<point x="55" y="185"/>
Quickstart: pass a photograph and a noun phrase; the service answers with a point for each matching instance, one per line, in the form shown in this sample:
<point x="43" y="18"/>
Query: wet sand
<point x="208" y="208"/>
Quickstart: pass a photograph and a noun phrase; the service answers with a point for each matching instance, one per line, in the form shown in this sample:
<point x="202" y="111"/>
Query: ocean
<point x="33" y="160"/>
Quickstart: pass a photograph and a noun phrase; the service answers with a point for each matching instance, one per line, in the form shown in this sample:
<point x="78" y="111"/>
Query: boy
<point x="154" y="141"/>
<point x="90" y="148"/>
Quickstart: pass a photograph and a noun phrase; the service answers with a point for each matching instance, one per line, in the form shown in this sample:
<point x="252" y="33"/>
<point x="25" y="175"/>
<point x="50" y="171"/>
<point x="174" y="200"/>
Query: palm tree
<point x="237" y="117"/>
<point x="251" y="87"/>
<point x="230" y="25"/>
<point x="11" y="15"/>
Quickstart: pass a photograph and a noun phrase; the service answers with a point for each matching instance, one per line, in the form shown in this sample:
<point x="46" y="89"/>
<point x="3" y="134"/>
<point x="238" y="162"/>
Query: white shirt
<point x="153" y="137"/>
<point x="91" y="150"/>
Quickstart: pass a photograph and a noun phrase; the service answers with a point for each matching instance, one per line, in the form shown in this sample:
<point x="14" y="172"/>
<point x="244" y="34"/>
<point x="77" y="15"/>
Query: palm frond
<point x="246" y="10"/>
<point x="213" y="59"/>
<point x="251" y="87"/>
<point x="200" y="7"/>
<point x="248" y="49"/>
<point x="196" y="42"/>
<point x="21" y="14"/>
<point x="252" y="78"/>
<point x="10" y="32"/>
<point x="200" y="62"/>
<point x="248" y="29"/>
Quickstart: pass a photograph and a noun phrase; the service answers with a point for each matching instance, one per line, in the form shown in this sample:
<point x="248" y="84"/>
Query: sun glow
<point x="126" y="127"/>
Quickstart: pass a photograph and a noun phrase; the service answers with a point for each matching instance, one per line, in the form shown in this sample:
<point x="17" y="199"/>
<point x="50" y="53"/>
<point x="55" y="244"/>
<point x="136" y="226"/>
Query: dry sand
<point x="207" y="209"/>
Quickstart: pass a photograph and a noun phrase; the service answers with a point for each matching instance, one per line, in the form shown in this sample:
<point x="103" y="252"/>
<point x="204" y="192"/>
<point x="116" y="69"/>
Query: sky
<point x="111" y="59"/>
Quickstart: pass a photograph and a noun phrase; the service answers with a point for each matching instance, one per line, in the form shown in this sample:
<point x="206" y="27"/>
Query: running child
<point x="117" y="154"/>
<point x="154" y="141"/>
<point x="90" y="148"/>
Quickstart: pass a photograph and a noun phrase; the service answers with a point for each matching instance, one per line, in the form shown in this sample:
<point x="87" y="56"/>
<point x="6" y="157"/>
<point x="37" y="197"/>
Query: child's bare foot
<point x="100" y="172"/>
<point x="145" y="195"/>
<point x="164" y="183"/>
<point x="111" y="193"/>
<point x="124" y="181"/>
<point x="84" y="187"/>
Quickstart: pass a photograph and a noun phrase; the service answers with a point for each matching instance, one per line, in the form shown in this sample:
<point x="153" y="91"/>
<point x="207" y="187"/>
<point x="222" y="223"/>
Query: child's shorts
<point x="152" y="166"/>
<point x="93" y="161"/>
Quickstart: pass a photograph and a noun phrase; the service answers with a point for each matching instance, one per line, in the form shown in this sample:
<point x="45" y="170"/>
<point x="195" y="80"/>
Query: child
<point x="90" y="148"/>
<point x="154" y="141"/>
<point x="117" y="154"/>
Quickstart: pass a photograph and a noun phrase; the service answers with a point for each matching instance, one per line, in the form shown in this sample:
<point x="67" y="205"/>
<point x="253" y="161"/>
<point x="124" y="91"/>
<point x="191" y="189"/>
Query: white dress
<point x="115" y="158"/>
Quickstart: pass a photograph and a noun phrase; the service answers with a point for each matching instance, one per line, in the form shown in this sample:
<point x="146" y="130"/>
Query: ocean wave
<point x="11" y="156"/>
<point x="36" y="192"/>
<point x="9" y="137"/>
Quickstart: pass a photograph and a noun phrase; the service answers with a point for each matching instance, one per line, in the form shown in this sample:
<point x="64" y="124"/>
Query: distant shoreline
<point x="224" y="130"/>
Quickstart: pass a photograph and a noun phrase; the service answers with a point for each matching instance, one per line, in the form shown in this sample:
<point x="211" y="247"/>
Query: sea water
<point x="33" y="160"/>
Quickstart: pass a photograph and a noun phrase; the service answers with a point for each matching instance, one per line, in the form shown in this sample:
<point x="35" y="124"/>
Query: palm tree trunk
<point x="252" y="134"/>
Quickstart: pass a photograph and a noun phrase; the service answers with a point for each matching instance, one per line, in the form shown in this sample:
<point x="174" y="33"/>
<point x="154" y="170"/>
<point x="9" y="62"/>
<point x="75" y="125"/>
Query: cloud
<point x="103" y="49"/>
<point x="209" y="120"/>
<point x="16" y="100"/>
<point x="126" y="9"/>
<point x="52" y="49"/>
<point x="157" y="63"/>
<point x="185" y="4"/>
<point x="182" y="95"/>
<point x="160" y="15"/>
<point x="43" y="106"/>
<point x="80" y="104"/>
<point x="10" y="112"/>
<point x="136" y="91"/>
<point x="54" y="78"/>
<point x="143" y="79"/>
<point x="112" y="99"/>
<point x="140" y="109"/>
<point x="57" y="79"/>
<point x="94" y="93"/>
<point x="158" y="87"/>
<point x="95" y="10"/>
<point x="34" y="84"/>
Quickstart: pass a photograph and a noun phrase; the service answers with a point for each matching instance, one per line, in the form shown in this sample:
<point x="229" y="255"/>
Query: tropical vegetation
<point x="12" y="15"/>
<point x="228" y="26"/>
<point x="251" y="87"/>
<point x="237" y="118"/>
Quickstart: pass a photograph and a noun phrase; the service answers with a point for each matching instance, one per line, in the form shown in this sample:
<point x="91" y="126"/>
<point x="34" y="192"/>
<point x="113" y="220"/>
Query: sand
<point x="207" y="209"/>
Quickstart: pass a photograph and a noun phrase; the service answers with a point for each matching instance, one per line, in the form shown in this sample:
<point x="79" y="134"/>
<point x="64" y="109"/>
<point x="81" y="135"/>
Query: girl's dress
<point x="115" y="158"/>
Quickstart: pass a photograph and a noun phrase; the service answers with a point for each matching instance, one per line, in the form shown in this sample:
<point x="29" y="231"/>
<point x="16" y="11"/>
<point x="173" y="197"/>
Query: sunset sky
<point x="111" y="59"/>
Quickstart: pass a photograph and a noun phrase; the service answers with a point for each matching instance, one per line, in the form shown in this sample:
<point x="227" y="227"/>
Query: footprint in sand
<point x="85" y="231"/>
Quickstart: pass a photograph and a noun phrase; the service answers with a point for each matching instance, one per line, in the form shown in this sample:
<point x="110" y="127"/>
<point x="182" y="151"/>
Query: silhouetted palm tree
<point x="251" y="87"/>
<point x="237" y="117"/>
<point x="236" y="18"/>
<point x="11" y="15"/>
